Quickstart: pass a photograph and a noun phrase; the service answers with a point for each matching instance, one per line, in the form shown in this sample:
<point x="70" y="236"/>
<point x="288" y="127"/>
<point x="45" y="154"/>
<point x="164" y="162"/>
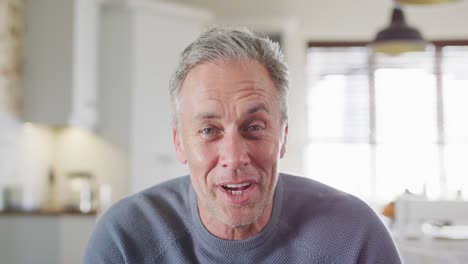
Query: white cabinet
<point x="140" y="42"/>
<point x="60" y="62"/>
<point x="53" y="239"/>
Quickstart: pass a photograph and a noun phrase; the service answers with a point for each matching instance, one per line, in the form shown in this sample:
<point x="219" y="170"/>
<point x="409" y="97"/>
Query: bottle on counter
<point x="49" y="202"/>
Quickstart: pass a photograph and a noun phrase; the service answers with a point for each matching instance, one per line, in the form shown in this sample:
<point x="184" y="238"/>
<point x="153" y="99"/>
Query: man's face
<point x="231" y="134"/>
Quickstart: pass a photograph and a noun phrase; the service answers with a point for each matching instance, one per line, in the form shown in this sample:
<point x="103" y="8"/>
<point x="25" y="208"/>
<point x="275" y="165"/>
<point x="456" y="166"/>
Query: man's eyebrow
<point x="249" y="111"/>
<point x="256" y="108"/>
<point x="207" y="115"/>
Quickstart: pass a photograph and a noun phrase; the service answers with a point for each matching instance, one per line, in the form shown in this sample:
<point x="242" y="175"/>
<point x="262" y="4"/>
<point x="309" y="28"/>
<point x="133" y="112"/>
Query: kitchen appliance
<point x="80" y="191"/>
<point x="12" y="196"/>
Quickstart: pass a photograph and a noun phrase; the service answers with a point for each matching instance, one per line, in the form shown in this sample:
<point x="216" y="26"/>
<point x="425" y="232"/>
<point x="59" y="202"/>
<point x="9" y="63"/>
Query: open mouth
<point x="237" y="189"/>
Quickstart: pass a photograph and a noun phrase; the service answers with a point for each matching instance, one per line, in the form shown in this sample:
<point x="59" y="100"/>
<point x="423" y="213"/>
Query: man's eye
<point x="253" y="128"/>
<point x="208" y="131"/>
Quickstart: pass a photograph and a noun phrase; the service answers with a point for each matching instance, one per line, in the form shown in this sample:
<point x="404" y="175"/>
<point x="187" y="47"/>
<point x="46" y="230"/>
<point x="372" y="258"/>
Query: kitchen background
<point x="84" y="111"/>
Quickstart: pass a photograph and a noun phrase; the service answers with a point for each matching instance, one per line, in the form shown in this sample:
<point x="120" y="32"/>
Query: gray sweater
<point x="310" y="223"/>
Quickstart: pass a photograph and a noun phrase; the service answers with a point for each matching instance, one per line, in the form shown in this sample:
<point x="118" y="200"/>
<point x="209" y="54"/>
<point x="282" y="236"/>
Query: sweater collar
<point x="216" y="244"/>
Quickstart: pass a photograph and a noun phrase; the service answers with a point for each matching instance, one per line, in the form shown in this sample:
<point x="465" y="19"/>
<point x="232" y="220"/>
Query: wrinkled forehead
<point x="228" y="77"/>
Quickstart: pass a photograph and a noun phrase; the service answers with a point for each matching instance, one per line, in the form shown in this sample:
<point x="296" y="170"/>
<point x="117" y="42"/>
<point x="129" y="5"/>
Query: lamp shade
<point x="398" y="37"/>
<point x="423" y="2"/>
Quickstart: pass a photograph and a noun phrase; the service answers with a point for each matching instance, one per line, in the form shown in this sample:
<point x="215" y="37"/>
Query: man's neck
<point x="228" y="232"/>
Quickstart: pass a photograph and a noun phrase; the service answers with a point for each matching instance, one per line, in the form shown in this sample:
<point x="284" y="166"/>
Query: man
<point x="230" y="128"/>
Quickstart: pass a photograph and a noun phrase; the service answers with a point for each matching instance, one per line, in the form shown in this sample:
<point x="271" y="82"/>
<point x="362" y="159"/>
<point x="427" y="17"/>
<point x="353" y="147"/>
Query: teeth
<point x="237" y="185"/>
<point x="236" y="189"/>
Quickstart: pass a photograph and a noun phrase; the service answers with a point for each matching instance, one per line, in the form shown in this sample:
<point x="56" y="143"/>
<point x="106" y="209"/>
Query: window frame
<point x="438" y="46"/>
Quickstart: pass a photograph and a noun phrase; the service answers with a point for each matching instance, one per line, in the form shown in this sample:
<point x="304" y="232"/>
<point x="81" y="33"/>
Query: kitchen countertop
<point x="47" y="212"/>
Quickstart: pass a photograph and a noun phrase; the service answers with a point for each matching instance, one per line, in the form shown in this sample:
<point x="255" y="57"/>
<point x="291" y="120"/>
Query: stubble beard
<point x="249" y="213"/>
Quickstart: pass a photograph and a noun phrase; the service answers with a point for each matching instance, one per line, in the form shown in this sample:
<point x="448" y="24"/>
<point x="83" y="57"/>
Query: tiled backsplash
<point x="25" y="155"/>
<point x="28" y="153"/>
<point x="10" y="133"/>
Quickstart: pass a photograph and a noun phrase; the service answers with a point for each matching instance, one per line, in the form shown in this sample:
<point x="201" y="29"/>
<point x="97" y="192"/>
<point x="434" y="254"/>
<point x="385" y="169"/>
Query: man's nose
<point x="234" y="152"/>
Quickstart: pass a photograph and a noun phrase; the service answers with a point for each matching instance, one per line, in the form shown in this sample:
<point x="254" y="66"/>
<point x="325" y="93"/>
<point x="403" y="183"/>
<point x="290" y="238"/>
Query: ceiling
<point x="335" y="19"/>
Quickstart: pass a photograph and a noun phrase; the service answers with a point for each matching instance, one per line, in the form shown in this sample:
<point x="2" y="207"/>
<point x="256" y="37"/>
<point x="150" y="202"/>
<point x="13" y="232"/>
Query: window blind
<point x="416" y="106"/>
<point x="338" y="99"/>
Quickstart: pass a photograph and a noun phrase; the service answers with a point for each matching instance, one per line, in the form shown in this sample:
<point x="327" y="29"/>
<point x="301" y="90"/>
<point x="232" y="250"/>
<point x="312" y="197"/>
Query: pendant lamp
<point x="398" y="37"/>
<point x="423" y="2"/>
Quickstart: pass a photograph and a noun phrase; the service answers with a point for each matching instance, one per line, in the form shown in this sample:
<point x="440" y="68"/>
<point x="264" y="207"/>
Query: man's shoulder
<point x="325" y="219"/>
<point x="165" y="204"/>
<point x="324" y="202"/>
<point x="141" y="227"/>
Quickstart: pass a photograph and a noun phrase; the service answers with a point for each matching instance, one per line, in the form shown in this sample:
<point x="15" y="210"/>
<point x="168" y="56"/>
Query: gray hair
<point x="226" y="44"/>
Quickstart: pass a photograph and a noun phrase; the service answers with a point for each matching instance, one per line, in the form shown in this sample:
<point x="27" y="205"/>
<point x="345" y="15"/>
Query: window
<point x="379" y="125"/>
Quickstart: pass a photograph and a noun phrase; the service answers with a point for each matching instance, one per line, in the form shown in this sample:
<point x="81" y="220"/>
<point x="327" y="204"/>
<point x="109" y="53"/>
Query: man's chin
<point x="238" y="218"/>
<point x="239" y="223"/>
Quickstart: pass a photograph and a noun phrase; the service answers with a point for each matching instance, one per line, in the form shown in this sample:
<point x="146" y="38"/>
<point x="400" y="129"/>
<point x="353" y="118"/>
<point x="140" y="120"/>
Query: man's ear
<point x="179" y="147"/>
<point x="283" y="145"/>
